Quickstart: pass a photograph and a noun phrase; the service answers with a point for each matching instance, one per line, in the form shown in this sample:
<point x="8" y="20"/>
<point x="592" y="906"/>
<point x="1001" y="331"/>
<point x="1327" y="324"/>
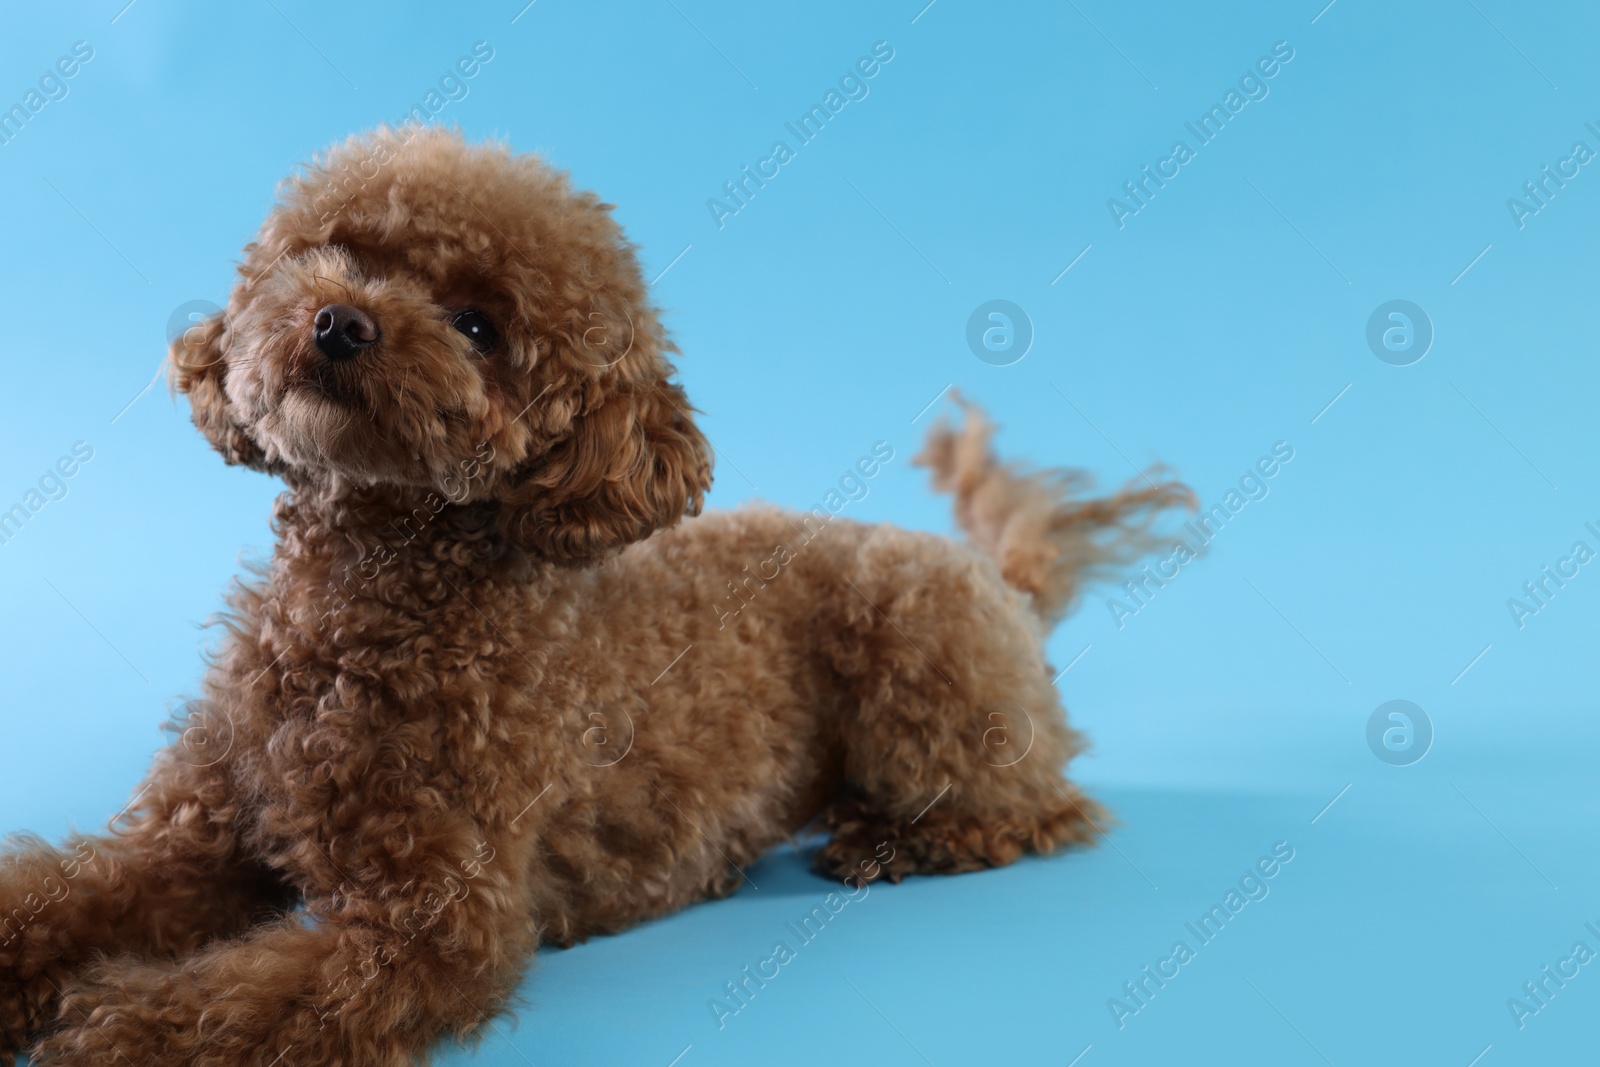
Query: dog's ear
<point x="633" y="464"/>
<point x="198" y="367"/>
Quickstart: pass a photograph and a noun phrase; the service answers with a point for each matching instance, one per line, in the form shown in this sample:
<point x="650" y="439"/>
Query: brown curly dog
<point x="457" y="715"/>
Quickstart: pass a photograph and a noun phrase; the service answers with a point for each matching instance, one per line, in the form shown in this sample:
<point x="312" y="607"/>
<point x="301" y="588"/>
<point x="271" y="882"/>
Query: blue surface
<point x="1224" y="316"/>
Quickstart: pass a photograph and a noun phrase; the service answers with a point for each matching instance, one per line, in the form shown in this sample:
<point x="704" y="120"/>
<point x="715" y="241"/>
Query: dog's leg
<point x="955" y="750"/>
<point x="374" y="973"/>
<point x="167" y="878"/>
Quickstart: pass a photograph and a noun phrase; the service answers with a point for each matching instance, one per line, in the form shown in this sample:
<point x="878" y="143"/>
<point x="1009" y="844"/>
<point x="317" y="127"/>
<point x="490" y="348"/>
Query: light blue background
<point x="1223" y="318"/>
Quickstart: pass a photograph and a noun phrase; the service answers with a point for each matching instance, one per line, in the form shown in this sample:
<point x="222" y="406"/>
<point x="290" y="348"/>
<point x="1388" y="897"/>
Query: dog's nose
<point x="342" y="331"/>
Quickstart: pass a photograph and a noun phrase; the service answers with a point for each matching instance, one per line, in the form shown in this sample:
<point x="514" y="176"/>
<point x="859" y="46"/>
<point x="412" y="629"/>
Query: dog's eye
<point x="476" y="325"/>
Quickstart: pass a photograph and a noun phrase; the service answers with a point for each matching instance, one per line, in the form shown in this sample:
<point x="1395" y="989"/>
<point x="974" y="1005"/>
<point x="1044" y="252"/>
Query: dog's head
<point x="423" y="313"/>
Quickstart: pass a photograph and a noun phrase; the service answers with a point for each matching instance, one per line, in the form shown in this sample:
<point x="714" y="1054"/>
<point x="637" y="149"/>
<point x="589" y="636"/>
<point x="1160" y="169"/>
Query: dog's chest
<point x="388" y="722"/>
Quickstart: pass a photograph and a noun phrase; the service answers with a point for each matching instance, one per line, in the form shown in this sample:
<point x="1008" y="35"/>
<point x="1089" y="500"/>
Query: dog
<point x="488" y="691"/>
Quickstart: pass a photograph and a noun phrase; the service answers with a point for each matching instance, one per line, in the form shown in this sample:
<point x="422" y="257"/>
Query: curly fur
<point x="482" y="696"/>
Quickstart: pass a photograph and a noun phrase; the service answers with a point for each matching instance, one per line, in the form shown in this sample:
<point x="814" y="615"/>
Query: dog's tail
<point x="1048" y="539"/>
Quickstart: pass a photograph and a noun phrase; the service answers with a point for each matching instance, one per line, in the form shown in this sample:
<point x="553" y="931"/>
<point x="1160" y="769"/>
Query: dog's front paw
<point x="131" y="1012"/>
<point x="126" y="1012"/>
